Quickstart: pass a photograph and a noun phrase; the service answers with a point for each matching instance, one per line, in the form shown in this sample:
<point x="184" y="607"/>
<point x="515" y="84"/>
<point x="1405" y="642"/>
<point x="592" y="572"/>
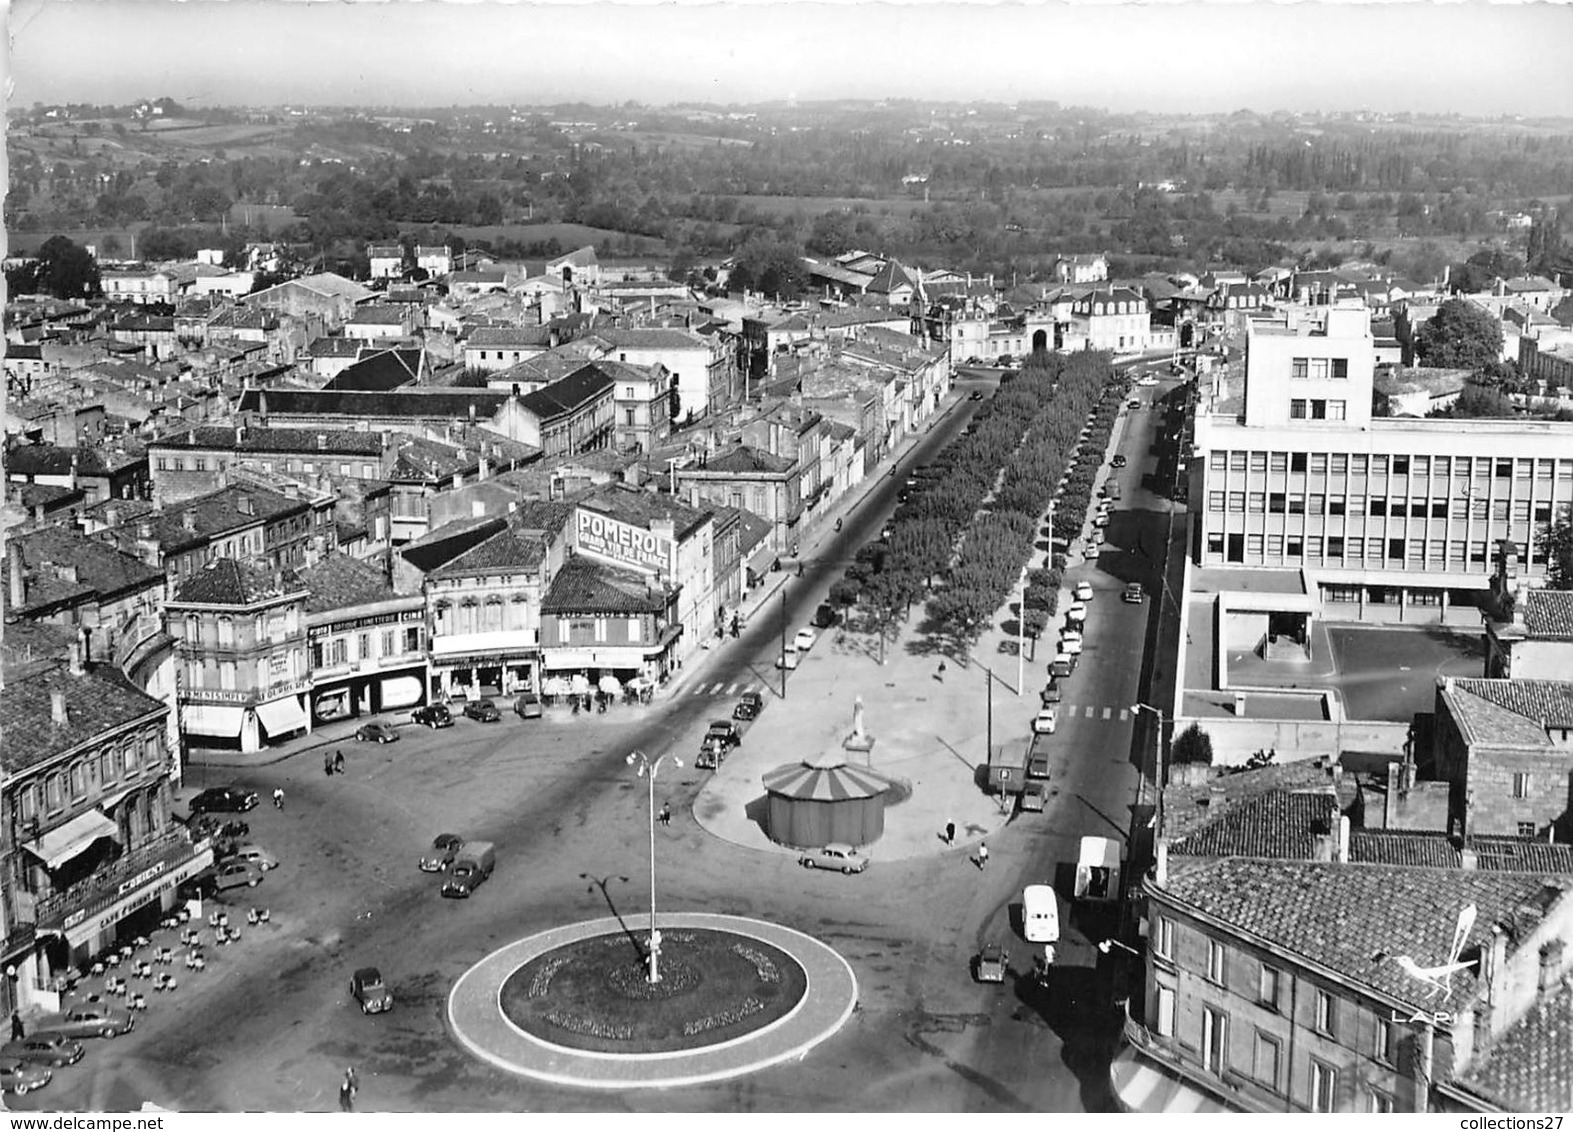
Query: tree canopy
<point x="64" y="269"/>
<point x="1459" y="336"/>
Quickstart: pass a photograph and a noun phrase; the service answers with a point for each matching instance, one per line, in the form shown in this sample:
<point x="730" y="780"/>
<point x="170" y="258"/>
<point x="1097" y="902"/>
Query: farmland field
<point x="568" y="235"/>
<point x="814" y="206"/>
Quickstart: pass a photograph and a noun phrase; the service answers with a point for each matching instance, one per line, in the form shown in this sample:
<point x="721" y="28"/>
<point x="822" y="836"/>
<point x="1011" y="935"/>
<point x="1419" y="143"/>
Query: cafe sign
<point x="621" y="543"/>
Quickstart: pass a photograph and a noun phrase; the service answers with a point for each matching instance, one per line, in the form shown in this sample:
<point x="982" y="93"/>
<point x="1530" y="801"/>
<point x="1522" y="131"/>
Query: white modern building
<point x="1394" y="518"/>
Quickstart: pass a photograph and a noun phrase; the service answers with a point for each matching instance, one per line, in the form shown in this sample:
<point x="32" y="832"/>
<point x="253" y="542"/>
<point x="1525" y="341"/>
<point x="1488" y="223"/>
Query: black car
<point x="1117" y="462"/>
<point x="433" y="716"/>
<point x="825" y="615"/>
<point x="224" y="799"/>
<point x="976" y="395"/>
<point x="206" y="825"/>
<point x="483" y="710"/>
<point x="749" y="706"/>
<point x="726" y="731"/>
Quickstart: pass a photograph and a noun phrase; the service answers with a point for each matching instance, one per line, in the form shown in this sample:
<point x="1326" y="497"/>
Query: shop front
<point x="368" y="693"/>
<point x="620" y="672"/>
<point x="473" y="675"/>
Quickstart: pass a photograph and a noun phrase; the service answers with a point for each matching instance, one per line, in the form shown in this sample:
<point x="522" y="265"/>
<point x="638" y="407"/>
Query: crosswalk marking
<point x="1107" y="712"/>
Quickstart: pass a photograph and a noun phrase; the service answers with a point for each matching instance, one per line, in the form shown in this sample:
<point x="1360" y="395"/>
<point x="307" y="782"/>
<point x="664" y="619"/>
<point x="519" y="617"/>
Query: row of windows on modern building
<point x="1270" y="990"/>
<point x="1459" y="509"/>
<point x="1374" y="552"/>
<point x="1417" y="468"/>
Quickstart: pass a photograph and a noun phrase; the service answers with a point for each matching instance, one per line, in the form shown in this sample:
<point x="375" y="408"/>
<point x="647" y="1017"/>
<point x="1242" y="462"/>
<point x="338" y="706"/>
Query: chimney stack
<point x="78" y="654"/>
<point x="188" y="520"/>
<point x="57" y="708"/>
<point x="17" y="576"/>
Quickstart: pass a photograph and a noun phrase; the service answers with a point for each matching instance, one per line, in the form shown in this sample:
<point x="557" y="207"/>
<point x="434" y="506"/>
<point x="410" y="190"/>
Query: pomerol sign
<point x="621" y="542"/>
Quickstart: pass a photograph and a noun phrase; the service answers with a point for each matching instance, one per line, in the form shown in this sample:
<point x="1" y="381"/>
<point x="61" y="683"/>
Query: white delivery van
<point x="1040" y="914"/>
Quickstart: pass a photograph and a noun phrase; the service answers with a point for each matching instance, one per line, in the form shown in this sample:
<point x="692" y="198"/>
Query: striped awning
<point x="827" y="780"/>
<point x="1142" y="1086"/>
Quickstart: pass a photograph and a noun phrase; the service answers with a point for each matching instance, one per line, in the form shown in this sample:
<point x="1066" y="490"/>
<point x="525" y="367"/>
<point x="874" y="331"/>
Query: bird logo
<point x="1440" y="978"/>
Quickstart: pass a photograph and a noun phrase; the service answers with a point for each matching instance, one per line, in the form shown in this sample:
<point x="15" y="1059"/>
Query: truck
<point x="472" y="864"/>
<point x="1098" y="869"/>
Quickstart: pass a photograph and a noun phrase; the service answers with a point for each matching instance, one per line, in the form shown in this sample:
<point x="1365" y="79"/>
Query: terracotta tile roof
<point x="211" y="515"/>
<point x="228" y="581"/>
<point x="1188" y="808"/>
<point x="97" y="701"/>
<point x="1355" y="919"/>
<point x="48" y="460"/>
<point x="253" y="438"/>
<point x="379" y="372"/>
<point x="507" y="550"/>
<point x="1277" y="824"/>
<point x="1438" y="851"/>
<point x="1549" y="614"/>
<point x="439" y="547"/>
<point x="423" y="459"/>
<point x="510" y="336"/>
<point x="335" y="347"/>
<point x="747" y="460"/>
<point x="1527" y="706"/>
<point x="641" y="508"/>
<point x="61" y="565"/>
<point x="583" y="586"/>
<point x="655" y="339"/>
<point x="407" y="403"/>
<point x="569" y="394"/>
<point x="1530" y="1067"/>
<point x="339" y="581"/>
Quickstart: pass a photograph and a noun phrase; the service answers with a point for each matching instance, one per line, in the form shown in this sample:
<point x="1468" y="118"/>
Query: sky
<point x="1468" y="57"/>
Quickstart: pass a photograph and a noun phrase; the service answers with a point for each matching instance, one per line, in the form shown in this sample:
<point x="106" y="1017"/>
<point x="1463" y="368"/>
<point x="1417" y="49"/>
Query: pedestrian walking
<point x="940" y="675"/>
<point x="327" y="764"/>
<point x="666" y="814"/>
<point x="950" y="833"/>
<point x="338" y="762"/>
<point x="278" y="797"/>
<point x="18" y="1031"/>
<point x="346" y="1096"/>
<point x="352" y="1080"/>
<point x="983" y="855"/>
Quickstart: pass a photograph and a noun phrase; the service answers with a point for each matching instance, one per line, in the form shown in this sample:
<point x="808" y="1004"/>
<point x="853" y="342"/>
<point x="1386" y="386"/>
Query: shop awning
<point x="206" y="719"/>
<point x="1143" y="1087"/>
<point x="66" y="841"/>
<point x="282" y="716"/>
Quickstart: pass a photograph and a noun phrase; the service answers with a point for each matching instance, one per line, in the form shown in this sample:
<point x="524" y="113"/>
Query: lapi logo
<point x="1439" y="979"/>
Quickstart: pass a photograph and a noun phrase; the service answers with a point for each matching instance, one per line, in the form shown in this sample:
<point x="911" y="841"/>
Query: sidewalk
<point x="341" y="732"/>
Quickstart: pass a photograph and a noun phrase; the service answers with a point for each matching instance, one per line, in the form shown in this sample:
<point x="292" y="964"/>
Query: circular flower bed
<point x="595" y="994"/>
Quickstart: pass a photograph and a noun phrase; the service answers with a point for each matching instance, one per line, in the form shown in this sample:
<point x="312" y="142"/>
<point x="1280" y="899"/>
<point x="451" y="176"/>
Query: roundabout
<point x="573" y="1005"/>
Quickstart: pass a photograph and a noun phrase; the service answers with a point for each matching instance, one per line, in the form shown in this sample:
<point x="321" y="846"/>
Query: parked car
<point x="825" y="615"/>
<point x="1133" y="593"/>
<point x="990" y="965"/>
<point x="1070" y="642"/>
<point x="712" y="753"/>
<point x="368" y="989"/>
<point x="433" y="716"/>
<point x="254" y="855"/>
<point x="44" y="1047"/>
<point x="472" y="864"/>
<point x="837" y="856"/>
<point x="1006" y="359"/>
<point x="528" y="706"/>
<point x="1052" y="692"/>
<point x="1118" y="461"/>
<point x="236" y="874"/>
<point x="1101" y="519"/>
<point x="1044" y="722"/>
<point x="1062" y="666"/>
<point x="1076" y="613"/>
<point x="1083" y="591"/>
<point x="787" y="660"/>
<point x="1134" y="403"/>
<point x="22" y="1077"/>
<point x="483" y="710"/>
<point x="88" y="1020"/>
<point x="1147" y="382"/>
<point x="749" y="706"/>
<point x="804" y="640"/>
<point x="376" y="732"/>
<point x="440" y="855"/>
<point x="726" y="732"/>
<point x="975" y="395"/>
<point x="224" y="799"/>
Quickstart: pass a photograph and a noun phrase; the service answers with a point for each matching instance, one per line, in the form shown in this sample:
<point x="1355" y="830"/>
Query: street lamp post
<point x="783" y="642"/>
<point x="1021" y="637"/>
<point x="647" y="770"/>
<point x="1161" y="770"/>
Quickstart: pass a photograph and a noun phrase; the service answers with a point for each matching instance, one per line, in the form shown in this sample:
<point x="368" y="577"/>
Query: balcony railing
<point x="104" y="887"/>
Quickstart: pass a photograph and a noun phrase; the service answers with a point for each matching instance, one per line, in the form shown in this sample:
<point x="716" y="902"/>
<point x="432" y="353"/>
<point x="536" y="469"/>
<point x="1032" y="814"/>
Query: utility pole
<point x="783" y="642"/>
<point x="988" y="748"/>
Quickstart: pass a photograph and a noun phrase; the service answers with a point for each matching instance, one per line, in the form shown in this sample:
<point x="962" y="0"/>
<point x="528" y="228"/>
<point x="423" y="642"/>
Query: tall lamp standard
<point x="1161" y="770"/>
<point x="647" y="770"/>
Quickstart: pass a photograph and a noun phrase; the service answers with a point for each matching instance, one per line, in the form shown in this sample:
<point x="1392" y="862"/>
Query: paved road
<point x="274" y="1031"/>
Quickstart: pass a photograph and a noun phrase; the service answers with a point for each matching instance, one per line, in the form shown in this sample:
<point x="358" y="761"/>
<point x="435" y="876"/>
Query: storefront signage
<point x="141" y="878"/>
<point x="621" y="542"/>
<point x="414" y="617"/>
